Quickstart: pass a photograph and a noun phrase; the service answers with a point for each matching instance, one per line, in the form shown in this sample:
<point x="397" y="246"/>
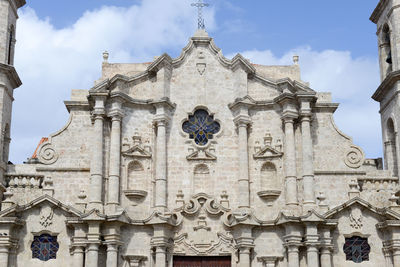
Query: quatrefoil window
<point x="201" y="127"/>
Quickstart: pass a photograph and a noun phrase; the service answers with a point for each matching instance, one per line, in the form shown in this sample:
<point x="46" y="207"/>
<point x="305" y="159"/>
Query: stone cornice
<point x="325" y="107"/>
<point x="11" y="74"/>
<point x="76" y="105"/>
<point x="378" y="11"/>
<point x="386" y="85"/>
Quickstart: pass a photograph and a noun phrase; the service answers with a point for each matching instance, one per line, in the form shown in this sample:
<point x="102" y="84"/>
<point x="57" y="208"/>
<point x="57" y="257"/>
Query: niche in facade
<point x="136" y="176"/>
<point x="270" y="188"/>
<point x="390" y="147"/>
<point x="202" y="182"/>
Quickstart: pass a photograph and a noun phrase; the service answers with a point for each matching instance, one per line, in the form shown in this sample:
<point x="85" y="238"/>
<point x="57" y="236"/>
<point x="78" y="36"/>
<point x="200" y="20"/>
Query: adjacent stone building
<point x="202" y="161"/>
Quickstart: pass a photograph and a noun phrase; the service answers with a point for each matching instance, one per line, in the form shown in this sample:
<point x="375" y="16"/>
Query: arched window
<point x="6" y="142"/>
<point x="268" y="177"/>
<point x="136" y="176"/>
<point x="386" y="46"/>
<point x="390" y="147"/>
<point x="10" y="45"/>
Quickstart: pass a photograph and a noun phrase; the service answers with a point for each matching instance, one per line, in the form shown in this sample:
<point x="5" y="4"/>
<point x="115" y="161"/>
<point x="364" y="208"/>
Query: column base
<point x="96" y="205"/>
<point x="310" y="205"/>
<point x="111" y="208"/>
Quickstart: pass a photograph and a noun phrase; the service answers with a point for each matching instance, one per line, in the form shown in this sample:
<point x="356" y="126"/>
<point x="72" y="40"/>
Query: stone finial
<point x="105" y="56"/>
<point x="48" y="187"/>
<point x="323" y="206"/>
<point x="7" y="202"/>
<point x="354" y="189"/>
<point x="268" y="139"/>
<point x="296" y="59"/>
<point x="180" y="202"/>
<point x="224" y="200"/>
<point x="82" y="203"/>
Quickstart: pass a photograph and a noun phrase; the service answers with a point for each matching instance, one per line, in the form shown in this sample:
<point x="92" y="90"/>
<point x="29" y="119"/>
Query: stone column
<point x="307" y="149"/>
<point x="115" y="155"/>
<point x="293" y="240"/>
<point x="92" y="255"/>
<point x="326" y="247"/>
<point x="388" y="256"/>
<point x="12" y="256"/>
<point x="244" y="186"/>
<point x="4" y="250"/>
<point x="244" y="256"/>
<point x="161" y="162"/>
<point x="112" y="255"/>
<point x="311" y="242"/>
<point x="78" y="256"/>
<point x="326" y="257"/>
<point x="112" y="238"/>
<point x="161" y="256"/>
<point x="396" y="257"/>
<point x="290" y="162"/>
<point x="96" y="163"/>
<point x="293" y="256"/>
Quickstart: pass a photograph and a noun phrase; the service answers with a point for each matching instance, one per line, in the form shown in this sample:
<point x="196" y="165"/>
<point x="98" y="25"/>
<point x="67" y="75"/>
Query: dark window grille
<point x="201" y="127"/>
<point x="44" y="247"/>
<point x="356" y="249"/>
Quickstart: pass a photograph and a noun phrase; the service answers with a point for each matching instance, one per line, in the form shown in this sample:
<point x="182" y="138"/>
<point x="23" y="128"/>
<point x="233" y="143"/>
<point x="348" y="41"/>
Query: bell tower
<point x="386" y="16"/>
<point x="9" y="79"/>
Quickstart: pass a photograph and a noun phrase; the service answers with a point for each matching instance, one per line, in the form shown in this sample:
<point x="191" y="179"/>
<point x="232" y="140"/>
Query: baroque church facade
<point x="202" y="161"/>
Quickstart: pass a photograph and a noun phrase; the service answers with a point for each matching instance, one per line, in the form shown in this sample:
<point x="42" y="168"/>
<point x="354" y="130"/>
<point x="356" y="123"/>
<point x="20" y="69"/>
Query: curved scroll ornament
<point x="354" y="157"/>
<point x="47" y="154"/>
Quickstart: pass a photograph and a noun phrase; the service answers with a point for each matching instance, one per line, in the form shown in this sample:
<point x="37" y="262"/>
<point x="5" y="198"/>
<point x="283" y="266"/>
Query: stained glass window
<point x="44" y="247"/>
<point x="201" y="127"/>
<point x="356" y="249"/>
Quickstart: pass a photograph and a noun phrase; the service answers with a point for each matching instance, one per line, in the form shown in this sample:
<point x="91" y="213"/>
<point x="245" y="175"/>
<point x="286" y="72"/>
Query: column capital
<point x="116" y="114"/>
<point x="161" y="120"/>
<point x="289" y="116"/>
<point x="242" y="121"/>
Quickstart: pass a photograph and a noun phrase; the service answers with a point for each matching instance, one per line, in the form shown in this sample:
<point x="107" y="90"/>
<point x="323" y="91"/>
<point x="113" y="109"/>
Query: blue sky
<point x="60" y="43"/>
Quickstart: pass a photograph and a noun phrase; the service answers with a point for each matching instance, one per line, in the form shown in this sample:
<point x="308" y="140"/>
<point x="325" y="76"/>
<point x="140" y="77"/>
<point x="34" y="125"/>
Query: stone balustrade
<point x="369" y="184"/>
<point x="15" y="181"/>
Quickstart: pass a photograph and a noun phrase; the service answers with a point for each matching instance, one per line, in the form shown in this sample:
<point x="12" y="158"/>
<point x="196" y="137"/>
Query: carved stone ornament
<point x="354" y="157"/>
<point x="267" y="151"/>
<point x="46" y="216"/>
<point x="136" y="148"/>
<point x="201" y="68"/>
<point x="47" y="154"/>
<point x="205" y="239"/>
<point x="356" y="218"/>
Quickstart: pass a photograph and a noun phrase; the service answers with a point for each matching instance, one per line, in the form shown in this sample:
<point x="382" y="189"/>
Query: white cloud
<point x="53" y="61"/>
<point x="351" y="80"/>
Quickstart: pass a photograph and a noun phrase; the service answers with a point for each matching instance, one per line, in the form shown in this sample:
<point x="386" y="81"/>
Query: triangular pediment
<point x="267" y="152"/>
<point x="382" y="212"/>
<point x="313" y="216"/>
<point x="136" y="152"/>
<point x="37" y="202"/>
<point x="93" y="215"/>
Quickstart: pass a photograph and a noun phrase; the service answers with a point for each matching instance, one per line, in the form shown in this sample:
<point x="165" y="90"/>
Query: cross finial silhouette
<point x="200" y="19"/>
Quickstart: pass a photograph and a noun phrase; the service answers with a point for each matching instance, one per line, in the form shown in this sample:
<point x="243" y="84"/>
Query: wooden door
<point x="202" y="261"/>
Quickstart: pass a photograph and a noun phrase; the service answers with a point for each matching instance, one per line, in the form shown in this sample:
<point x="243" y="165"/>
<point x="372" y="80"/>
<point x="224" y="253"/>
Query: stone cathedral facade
<point x="202" y="161"/>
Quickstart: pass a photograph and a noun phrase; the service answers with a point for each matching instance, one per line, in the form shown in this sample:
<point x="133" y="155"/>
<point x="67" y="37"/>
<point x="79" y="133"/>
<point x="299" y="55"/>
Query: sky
<point x="60" y="44"/>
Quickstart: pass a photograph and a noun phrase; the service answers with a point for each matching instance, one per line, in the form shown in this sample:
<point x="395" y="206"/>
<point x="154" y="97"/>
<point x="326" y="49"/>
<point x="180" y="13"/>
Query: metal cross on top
<point x="200" y="6"/>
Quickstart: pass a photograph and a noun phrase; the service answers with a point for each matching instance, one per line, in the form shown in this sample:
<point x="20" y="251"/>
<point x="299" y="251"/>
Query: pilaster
<point x="116" y="115"/>
<point x="289" y="114"/>
<point x="307" y="152"/>
<point x="96" y="163"/>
